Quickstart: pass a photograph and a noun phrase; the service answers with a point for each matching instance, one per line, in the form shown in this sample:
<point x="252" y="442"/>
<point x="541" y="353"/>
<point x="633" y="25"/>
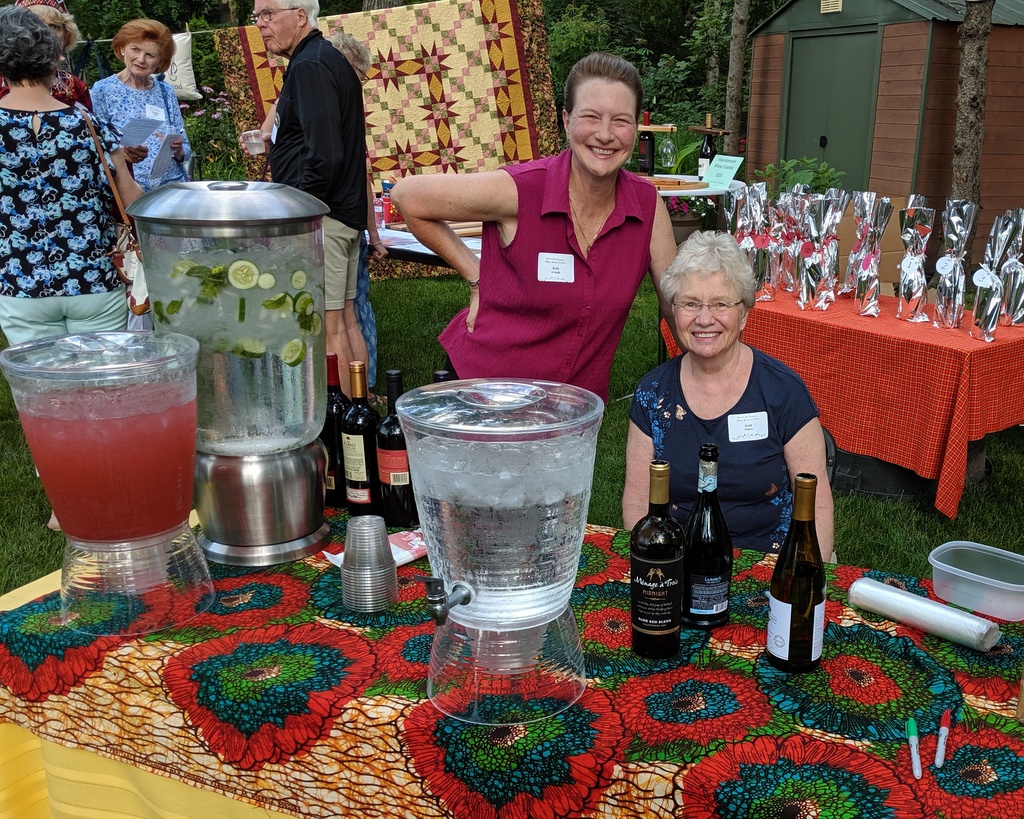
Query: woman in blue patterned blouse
<point x="146" y="48"/>
<point x="55" y="201"/>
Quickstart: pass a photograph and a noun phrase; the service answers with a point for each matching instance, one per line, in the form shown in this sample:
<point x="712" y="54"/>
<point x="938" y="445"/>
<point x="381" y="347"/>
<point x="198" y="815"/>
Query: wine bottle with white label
<point x="359" y="440"/>
<point x="707" y="150"/>
<point x="393" y="462"/>
<point x="708" y="556"/>
<point x="796" y="617"/>
<point x="656" y="573"/>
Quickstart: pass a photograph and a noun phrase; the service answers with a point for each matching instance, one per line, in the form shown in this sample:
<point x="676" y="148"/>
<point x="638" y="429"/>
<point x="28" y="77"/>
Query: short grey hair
<point x="311" y="7"/>
<point x="705" y="254"/>
<point x="29" y="49"/>
<point x="357" y="54"/>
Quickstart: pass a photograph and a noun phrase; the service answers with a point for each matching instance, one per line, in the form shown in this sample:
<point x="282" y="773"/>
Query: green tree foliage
<point x="578" y="32"/>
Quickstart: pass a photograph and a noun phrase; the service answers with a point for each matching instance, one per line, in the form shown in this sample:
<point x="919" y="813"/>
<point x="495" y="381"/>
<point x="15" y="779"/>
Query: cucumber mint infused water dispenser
<point x="239" y="266"/>
<point x="502" y="471"/>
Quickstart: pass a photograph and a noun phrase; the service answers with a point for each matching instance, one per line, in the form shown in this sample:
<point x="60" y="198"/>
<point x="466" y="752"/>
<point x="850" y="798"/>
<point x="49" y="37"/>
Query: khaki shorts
<point x="341" y="263"/>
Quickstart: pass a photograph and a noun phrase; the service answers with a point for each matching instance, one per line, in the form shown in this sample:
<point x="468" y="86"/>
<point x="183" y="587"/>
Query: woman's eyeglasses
<point x="693" y="308"/>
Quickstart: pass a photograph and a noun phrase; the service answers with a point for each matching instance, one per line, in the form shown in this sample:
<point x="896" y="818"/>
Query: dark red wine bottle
<point x="645" y="148"/>
<point x="330" y="436"/>
<point x="656" y="573"/>
<point x="359" y="438"/>
<point x="393" y="462"/>
<point x="708" y="556"/>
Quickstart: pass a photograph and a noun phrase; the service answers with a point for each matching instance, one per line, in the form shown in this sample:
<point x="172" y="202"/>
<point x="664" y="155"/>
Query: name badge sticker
<point x="556" y="267"/>
<point x="155" y="112"/>
<point x="748" y="426"/>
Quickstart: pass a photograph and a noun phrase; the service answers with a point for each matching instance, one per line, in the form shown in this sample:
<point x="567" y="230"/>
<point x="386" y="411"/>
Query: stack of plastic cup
<point x="369" y="577"/>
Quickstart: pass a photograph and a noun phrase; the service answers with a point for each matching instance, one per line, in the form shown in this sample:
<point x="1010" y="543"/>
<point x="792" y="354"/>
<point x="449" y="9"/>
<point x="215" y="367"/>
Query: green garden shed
<point x="870" y="87"/>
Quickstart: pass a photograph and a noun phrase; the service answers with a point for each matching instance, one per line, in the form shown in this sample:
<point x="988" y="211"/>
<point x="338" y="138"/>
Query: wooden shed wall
<point x="1002" y="163"/>
<point x="935" y="157"/>
<point x="898" y="107"/>
<point x="765" y="113"/>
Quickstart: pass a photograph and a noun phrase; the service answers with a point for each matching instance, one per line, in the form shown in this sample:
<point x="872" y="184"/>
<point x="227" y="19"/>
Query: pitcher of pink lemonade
<point x="110" y="419"/>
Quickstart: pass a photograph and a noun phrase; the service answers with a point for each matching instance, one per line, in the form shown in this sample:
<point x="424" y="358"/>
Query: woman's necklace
<point x="579" y="223"/>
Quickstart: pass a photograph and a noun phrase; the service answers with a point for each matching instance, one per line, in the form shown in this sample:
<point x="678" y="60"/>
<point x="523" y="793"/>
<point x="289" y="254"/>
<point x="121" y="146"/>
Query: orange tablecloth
<point x="908" y="394"/>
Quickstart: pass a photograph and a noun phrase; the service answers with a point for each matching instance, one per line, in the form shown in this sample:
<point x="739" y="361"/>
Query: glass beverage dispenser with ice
<point x="239" y="266"/>
<point x="502" y="473"/>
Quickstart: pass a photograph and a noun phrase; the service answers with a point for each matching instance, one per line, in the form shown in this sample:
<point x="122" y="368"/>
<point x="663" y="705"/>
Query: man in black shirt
<point x="318" y="145"/>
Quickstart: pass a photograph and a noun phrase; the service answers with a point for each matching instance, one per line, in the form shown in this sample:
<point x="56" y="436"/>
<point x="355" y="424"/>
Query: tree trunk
<point x="969" y="135"/>
<point x="713" y="13"/>
<point x="737" y="73"/>
<point x="970" y="101"/>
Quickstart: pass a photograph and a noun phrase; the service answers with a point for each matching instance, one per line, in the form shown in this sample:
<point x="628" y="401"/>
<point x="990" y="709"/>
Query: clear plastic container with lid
<point x="502" y="472"/>
<point x="239" y="267"/>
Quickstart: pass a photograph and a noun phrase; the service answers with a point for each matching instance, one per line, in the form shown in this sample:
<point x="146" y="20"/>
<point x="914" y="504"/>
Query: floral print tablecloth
<point x="279" y="696"/>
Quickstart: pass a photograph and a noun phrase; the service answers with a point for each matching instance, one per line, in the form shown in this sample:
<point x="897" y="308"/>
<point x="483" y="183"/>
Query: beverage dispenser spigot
<point x="439" y="603"/>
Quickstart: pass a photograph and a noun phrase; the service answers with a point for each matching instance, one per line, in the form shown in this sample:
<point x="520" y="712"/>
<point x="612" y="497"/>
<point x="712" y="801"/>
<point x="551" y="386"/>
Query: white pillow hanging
<point x="180" y="74"/>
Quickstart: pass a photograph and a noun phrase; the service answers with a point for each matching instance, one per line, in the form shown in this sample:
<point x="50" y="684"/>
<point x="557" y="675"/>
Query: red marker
<point x="940" y="748"/>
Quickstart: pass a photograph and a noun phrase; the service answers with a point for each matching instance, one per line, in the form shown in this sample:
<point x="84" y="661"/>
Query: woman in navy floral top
<point x="55" y="201"/>
<point x="720" y="391"/>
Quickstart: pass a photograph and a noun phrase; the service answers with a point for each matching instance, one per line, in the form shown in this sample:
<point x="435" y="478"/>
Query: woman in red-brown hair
<point x="146" y="47"/>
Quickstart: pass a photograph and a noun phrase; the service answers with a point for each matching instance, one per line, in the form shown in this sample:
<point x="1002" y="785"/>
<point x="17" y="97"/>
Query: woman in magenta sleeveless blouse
<point x="566" y="241"/>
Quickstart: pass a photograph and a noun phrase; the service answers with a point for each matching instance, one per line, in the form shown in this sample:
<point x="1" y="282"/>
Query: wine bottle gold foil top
<point x="357" y="377"/>
<point x="659" y="481"/>
<point x="803" y="496"/>
<point x="707" y="120"/>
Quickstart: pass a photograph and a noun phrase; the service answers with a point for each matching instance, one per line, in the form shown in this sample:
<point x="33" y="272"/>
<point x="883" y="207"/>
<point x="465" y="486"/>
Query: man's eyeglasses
<point x="266" y="15"/>
<point x="693" y="308"/>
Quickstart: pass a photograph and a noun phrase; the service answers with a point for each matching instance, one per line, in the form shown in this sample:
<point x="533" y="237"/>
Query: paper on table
<point x="934" y="618"/>
<point x="163" y="157"/>
<point x="405" y="548"/>
<point x="722" y="170"/>
<point x="136" y="131"/>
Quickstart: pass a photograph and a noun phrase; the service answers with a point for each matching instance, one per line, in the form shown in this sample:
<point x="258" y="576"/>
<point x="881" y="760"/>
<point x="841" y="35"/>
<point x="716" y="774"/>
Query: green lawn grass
<point x="889" y="535"/>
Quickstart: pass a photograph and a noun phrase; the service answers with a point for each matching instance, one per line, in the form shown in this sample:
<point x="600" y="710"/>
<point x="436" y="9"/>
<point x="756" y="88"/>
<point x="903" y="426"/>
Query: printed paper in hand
<point x="163" y="157"/>
<point x="136" y="131"/>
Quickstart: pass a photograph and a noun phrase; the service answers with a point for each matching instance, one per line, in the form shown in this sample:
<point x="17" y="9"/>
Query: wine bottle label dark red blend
<point x="656" y="595"/>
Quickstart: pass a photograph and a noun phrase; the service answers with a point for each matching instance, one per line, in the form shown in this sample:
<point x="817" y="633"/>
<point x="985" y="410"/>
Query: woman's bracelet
<point x="473" y="285"/>
<point x="377" y="244"/>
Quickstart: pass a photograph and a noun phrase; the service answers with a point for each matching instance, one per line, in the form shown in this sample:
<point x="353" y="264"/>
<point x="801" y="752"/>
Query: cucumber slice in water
<point x="299" y="279"/>
<point x="294" y="352"/>
<point x="243" y="274"/>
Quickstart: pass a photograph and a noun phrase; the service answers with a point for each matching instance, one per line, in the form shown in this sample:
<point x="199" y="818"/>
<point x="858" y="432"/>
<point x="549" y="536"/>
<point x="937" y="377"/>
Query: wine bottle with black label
<point x="359" y="439"/>
<point x="708" y="555"/>
<point x="796" y="617"/>
<point x="656" y="573"/>
<point x="707" y="150"/>
<point x="393" y="462"/>
<point x="330" y="436"/>
<point x="645" y="148"/>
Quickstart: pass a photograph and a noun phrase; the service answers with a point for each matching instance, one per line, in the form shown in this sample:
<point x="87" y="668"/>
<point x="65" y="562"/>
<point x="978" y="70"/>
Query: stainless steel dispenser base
<point x="260" y="510"/>
<point x="266" y="555"/>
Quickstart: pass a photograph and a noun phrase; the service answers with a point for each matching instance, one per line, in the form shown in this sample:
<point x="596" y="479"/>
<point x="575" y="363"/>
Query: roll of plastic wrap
<point x="934" y="618"/>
